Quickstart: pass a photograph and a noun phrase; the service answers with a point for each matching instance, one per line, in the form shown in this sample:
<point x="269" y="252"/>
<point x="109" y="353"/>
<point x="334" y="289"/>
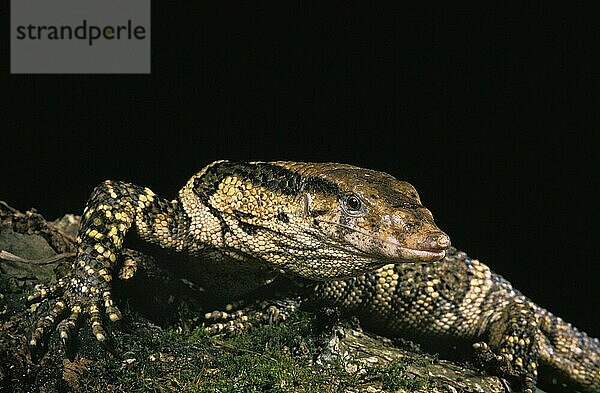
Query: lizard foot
<point x="506" y="365"/>
<point x="62" y="305"/>
<point x="512" y="350"/>
<point x="233" y="323"/>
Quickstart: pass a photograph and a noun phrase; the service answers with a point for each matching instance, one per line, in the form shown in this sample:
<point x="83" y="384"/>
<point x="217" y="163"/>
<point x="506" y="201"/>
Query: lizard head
<point x="377" y="214"/>
<point x="320" y="220"/>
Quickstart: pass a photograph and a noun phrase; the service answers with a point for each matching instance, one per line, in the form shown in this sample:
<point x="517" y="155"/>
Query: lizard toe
<point x="230" y="323"/>
<point x="46" y="323"/>
<point x="43" y="291"/>
<point x="67" y="327"/>
<point x="95" y="320"/>
<point x="111" y="310"/>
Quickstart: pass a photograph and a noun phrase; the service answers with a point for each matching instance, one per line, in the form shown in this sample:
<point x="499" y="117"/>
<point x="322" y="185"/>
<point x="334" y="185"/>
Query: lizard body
<point x="332" y="223"/>
<point x="317" y="221"/>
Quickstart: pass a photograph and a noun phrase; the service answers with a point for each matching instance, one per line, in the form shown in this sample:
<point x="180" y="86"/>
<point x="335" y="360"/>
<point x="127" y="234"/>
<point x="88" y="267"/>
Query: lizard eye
<point x="352" y="204"/>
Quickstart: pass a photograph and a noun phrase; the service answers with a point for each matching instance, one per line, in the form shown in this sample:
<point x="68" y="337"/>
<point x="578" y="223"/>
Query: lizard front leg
<point x="113" y="208"/>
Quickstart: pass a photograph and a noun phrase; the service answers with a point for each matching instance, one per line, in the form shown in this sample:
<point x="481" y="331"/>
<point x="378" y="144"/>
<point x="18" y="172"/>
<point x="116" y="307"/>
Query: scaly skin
<point x="460" y="298"/>
<point x="320" y="222"/>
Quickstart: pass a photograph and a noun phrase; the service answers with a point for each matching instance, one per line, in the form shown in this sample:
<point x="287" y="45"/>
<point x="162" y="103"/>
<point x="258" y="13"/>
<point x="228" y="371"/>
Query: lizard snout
<point x="436" y="241"/>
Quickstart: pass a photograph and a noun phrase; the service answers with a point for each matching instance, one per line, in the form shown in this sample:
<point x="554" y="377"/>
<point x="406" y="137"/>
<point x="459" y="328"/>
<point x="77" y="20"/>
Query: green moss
<point x="142" y="357"/>
<point x="395" y="375"/>
<point x="267" y="359"/>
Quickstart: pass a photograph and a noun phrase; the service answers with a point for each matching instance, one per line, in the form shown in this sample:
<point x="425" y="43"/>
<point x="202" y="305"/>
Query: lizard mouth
<point x="411" y="254"/>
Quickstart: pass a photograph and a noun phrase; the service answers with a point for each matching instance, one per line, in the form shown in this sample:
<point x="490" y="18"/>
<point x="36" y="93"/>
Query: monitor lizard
<point x="334" y="223"/>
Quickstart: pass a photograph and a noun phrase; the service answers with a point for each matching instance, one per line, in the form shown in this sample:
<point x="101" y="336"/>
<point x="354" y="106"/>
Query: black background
<point x="489" y="112"/>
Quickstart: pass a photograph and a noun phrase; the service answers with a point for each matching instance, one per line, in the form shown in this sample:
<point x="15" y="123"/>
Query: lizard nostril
<point x="438" y="241"/>
<point x="443" y="241"/>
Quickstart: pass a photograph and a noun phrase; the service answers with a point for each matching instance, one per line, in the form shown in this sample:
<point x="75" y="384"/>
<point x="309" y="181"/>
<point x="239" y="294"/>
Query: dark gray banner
<point x="80" y="36"/>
